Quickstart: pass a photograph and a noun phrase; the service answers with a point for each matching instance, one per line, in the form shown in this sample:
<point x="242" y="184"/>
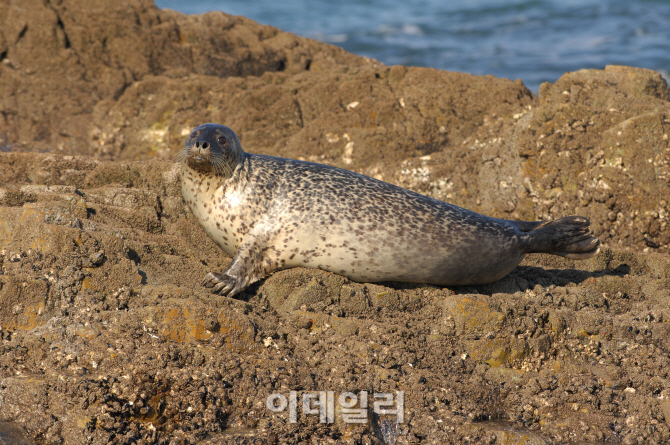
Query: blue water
<point x="536" y="41"/>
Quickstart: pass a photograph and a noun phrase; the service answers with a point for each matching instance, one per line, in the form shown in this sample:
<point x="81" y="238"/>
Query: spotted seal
<point x="270" y="213"/>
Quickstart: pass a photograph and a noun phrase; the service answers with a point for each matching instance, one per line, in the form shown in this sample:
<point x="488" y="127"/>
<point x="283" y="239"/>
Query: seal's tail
<point x="568" y="237"/>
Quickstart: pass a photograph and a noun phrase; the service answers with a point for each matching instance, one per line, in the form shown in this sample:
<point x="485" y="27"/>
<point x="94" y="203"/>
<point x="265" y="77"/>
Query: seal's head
<point x="212" y="149"/>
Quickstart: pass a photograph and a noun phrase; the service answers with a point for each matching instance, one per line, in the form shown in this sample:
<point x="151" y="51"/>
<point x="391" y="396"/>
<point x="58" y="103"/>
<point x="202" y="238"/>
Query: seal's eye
<point x="195" y="134"/>
<point x="222" y="140"/>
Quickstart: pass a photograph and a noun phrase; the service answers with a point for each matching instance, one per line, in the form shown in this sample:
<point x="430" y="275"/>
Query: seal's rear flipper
<point x="568" y="237"/>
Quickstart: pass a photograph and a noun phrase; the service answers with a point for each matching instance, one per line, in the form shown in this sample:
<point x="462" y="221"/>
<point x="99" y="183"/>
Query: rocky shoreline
<point x="107" y="337"/>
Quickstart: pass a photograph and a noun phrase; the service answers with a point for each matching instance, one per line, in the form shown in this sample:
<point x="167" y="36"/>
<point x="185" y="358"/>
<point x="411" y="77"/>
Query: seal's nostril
<point x="204" y="145"/>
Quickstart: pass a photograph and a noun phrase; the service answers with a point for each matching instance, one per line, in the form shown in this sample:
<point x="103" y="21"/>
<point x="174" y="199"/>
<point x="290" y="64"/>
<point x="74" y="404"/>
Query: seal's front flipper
<point x="221" y="283"/>
<point x="249" y="265"/>
<point x="568" y="237"/>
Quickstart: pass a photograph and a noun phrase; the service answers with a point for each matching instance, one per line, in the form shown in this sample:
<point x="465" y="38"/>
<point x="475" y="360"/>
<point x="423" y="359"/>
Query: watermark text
<point x="353" y="408"/>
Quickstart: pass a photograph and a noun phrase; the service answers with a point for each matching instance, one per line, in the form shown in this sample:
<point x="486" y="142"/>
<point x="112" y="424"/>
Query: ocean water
<point x="534" y="40"/>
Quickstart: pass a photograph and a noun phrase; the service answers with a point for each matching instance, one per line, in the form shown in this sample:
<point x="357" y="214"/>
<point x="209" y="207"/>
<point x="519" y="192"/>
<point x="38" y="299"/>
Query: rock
<point x="125" y="328"/>
<point x="11" y="434"/>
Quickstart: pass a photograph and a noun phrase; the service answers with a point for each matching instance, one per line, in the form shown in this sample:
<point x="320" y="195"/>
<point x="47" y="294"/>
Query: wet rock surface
<point x="107" y="337"/>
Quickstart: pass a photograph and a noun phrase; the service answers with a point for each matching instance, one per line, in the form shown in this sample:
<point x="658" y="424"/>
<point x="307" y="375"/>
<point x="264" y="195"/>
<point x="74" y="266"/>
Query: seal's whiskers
<point x="222" y="166"/>
<point x="180" y="157"/>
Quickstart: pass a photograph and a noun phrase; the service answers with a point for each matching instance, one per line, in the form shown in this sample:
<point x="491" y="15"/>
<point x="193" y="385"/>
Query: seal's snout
<point x="201" y="150"/>
<point x="202" y="145"/>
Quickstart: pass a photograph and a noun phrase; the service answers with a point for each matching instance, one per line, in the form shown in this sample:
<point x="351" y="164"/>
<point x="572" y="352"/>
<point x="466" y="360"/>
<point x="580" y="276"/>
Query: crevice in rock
<point x="301" y="122"/>
<point x="117" y="95"/>
<point x="22" y="33"/>
<point x="62" y="27"/>
<point x="60" y="24"/>
<point x="281" y="65"/>
<point x="134" y="256"/>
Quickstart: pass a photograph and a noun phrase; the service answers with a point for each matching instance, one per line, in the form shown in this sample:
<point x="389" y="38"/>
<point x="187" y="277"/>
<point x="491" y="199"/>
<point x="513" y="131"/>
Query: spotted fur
<point x="272" y="213"/>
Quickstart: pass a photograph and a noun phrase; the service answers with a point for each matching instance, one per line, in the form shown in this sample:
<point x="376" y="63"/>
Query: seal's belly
<point x="408" y="256"/>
